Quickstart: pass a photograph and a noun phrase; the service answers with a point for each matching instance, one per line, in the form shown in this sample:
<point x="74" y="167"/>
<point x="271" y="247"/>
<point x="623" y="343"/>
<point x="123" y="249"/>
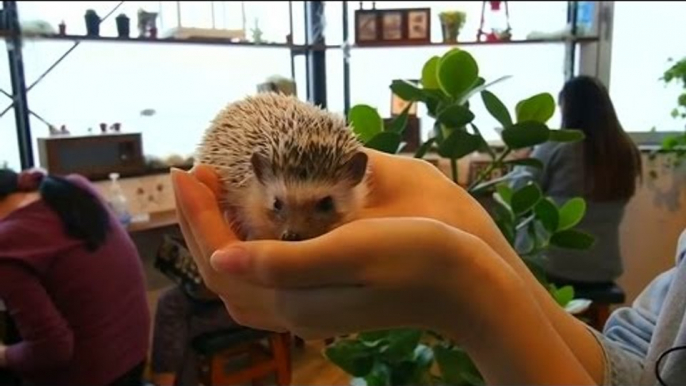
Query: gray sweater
<point x="635" y="337"/>
<point x="562" y="178"/>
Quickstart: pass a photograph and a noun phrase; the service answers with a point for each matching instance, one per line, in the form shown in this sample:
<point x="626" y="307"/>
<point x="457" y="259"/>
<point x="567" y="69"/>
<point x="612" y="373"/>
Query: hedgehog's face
<point x="295" y="209"/>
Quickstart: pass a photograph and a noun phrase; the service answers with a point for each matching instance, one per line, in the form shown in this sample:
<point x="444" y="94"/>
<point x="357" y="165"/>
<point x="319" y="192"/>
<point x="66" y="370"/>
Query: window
<point x="534" y="68"/>
<point x="185" y="85"/>
<point x="642" y="42"/>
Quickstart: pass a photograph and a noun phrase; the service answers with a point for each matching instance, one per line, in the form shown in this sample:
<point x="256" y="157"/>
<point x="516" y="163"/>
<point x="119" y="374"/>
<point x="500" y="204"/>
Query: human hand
<point x="3" y="355"/>
<point x="369" y="274"/>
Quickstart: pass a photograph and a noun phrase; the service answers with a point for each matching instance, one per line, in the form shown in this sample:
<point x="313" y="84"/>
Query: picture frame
<point x="419" y="25"/>
<point x="393" y="26"/>
<point x="366" y="26"/>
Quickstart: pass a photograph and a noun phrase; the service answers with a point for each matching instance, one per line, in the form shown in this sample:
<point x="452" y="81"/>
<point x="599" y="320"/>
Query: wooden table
<point x="156" y="220"/>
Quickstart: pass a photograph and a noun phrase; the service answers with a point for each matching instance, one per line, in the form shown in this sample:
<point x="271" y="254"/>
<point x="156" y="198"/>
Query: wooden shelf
<point x="405" y="44"/>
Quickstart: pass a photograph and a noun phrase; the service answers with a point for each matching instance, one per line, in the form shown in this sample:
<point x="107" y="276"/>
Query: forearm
<point x="3" y="356"/>
<point x="571" y="330"/>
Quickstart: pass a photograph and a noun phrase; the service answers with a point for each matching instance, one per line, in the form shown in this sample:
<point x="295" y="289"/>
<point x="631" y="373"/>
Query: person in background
<point x="603" y="169"/>
<point x="73" y="283"/>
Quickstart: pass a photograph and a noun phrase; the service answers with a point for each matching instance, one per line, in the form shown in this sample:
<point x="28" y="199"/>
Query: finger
<point x="208" y="176"/>
<point x="201" y="210"/>
<point x="353" y="254"/>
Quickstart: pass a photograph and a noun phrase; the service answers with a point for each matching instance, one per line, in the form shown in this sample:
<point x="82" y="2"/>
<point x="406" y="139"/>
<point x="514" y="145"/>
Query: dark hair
<point x="612" y="162"/>
<point x="82" y="213"/>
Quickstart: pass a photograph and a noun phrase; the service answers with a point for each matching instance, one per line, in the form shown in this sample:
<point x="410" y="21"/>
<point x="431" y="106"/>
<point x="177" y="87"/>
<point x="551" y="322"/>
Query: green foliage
<point x="415" y="357"/>
<point x="676" y="144"/>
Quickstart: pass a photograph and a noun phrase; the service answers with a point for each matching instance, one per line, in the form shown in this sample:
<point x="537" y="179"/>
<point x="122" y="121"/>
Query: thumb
<point x="353" y="254"/>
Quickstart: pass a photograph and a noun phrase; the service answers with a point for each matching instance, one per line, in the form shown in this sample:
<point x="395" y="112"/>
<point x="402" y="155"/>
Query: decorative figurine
<point x="63" y="28"/>
<point x="147" y="26"/>
<point x="103" y="128"/>
<point x="123" y="26"/>
<point x="116" y="127"/>
<point x="92" y="23"/>
<point x="256" y="33"/>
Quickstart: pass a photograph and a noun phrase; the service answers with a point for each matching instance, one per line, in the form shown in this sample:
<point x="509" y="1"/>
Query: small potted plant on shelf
<point x="92" y="23"/>
<point x="123" y="26"/>
<point x="451" y="24"/>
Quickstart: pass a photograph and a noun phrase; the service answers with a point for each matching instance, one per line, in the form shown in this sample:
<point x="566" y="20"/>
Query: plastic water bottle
<point x="118" y="201"/>
<point x="584" y="17"/>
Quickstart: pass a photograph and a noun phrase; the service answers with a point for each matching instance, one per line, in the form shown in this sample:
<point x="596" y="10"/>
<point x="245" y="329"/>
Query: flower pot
<point x="450" y="31"/>
<point x="92" y="23"/>
<point x="123" y="26"/>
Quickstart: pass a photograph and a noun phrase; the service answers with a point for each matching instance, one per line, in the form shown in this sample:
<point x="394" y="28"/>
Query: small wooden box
<point x="93" y="156"/>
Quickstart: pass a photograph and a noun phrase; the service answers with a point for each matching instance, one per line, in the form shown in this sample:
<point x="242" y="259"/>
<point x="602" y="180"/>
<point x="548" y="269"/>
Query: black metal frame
<point x="16" y="65"/>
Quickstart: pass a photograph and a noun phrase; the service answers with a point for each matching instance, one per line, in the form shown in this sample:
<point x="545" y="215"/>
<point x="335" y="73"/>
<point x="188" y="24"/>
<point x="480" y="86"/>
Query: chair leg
<point x="281" y="346"/>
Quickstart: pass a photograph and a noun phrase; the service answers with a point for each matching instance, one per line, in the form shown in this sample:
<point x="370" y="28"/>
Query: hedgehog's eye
<point x="325" y="204"/>
<point x="278" y="205"/>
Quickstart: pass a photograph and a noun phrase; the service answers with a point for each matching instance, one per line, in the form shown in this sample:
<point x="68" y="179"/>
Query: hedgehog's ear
<point x="355" y="169"/>
<point x="261" y="168"/>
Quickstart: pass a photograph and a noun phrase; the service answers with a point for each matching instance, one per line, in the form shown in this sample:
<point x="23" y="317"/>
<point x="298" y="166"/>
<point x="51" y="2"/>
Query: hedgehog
<point x="288" y="169"/>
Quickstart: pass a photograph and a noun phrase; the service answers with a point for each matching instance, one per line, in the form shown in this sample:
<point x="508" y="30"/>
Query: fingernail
<point x="230" y="260"/>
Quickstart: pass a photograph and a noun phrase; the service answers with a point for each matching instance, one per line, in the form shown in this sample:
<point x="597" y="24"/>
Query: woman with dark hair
<point x="603" y="169"/>
<point x="73" y="284"/>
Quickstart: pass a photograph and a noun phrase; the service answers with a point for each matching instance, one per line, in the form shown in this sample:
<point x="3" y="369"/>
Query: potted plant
<point x="676" y="144"/>
<point x="451" y="24"/>
<point x="123" y="26"/>
<point x="92" y="23"/>
<point x="407" y="356"/>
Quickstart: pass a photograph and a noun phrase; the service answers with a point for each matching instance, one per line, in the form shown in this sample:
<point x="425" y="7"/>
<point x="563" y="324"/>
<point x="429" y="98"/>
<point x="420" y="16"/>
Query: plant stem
<point x="453" y="167"/>
<point x="489" y="169"/>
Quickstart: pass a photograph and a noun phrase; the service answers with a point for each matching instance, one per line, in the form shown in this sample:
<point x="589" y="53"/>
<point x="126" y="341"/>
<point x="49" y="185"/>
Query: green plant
<point x="676" y="144"/>
<point x="408" y="356"/>
<point x="457" y="18"/>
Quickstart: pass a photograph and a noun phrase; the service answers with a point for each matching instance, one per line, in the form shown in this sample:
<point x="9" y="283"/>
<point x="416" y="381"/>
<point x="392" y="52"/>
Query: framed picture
<point x="366" y="26"/>
<point x="392" y="25"/>
<point x="419" y="24"/>
<point x="398" y="104"/>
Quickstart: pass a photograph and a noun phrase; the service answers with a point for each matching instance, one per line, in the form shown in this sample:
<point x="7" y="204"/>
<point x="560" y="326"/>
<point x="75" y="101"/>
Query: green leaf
<point x="546" y="211"/>
<point x="572" y="239"/>
<point x="380" y="375"/>
<point x="525" y="198"/>
<point x="487" y="184"/>
<point x="458" y="144"/>
<point x="373" y="336"/>
<point x="525" y="134"/>
<point x="457" y="72"/>
<point x="430" y="72"/>
<point x="387" y="142"/>
<point x="407" y="90"/>
<point x="399" y="124"/>
<point x="455" y="116"/>
<point x="571" y="213"/>
<point x="351" y="356"/>
<point x="538" y="108"/>
<point x="402" y="343"/>
<point x="564" y="295"/>
<point x="505" y="192"/>
<point x="496" y="108"/>
<point x="481" y="87"/>
<point x="424" y="356"/>
<point x="424" y="148"/>
<point x="366" y="121"/>
<point x="532" y="162"/>
<point x="565" y="135"/>
<point x="456" y="366"/>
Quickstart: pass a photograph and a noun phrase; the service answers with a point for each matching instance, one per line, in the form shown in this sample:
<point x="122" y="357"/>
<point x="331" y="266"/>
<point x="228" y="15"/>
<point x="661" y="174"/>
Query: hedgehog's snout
<point x="291" y="236"/>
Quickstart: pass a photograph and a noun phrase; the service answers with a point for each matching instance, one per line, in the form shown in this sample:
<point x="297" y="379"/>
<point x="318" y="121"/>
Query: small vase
<point x="92" y="23"/>
<point x="123" y="26"/>
<point x="450" y="32"/>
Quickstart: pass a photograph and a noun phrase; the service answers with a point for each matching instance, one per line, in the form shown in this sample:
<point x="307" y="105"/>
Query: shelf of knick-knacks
<point x="391" y="44"/>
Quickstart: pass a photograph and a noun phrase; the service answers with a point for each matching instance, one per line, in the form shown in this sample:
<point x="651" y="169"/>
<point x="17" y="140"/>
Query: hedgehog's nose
<point x="290" y="236"/>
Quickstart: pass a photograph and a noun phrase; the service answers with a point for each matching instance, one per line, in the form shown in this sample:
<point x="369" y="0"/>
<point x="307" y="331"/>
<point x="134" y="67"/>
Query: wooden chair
<point x="219" y="349"/>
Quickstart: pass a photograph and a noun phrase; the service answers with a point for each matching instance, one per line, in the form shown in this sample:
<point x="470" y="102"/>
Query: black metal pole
<point x="571" y="46"/>
<point x="16" y="65"/>
<point x="316" y="54"/>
